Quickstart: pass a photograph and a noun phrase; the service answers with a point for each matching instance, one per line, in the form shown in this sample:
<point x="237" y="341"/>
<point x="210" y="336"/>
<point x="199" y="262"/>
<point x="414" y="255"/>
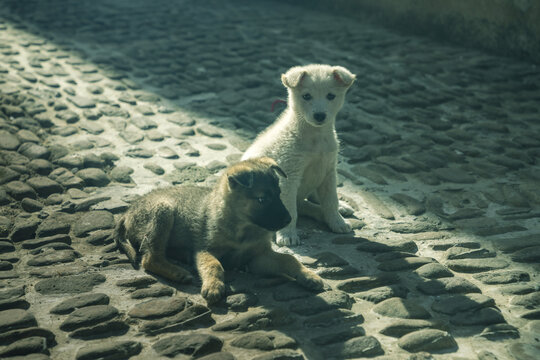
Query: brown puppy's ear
<point x="279" y="171"/>
<point x="293" y="77"/>
<point x="343" y="76"/>
<point x="244" y="179"/>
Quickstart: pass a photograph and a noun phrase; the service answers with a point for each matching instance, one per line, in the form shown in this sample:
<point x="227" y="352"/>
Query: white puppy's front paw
<point x="287" y="238"/>
<point x="337" y="224"/>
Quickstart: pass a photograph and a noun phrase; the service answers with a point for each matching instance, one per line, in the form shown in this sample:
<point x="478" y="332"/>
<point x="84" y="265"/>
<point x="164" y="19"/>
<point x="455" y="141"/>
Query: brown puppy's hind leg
<point x="212" y="276"/>
<point x="155" y="244"/>
<point x="273" y="263"/>
<point x="158" y="264"/>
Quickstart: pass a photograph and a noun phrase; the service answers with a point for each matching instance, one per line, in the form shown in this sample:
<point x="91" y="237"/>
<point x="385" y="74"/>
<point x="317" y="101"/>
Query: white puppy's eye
<point x="307" y="96"/>
<point x="330" y="96"/>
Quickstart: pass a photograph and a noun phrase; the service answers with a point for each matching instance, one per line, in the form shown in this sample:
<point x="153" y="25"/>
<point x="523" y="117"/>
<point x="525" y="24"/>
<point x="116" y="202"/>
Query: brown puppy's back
<point x="190" y="205"/>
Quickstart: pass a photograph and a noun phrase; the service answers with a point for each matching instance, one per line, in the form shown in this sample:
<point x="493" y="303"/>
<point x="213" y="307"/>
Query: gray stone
<point x="387" y="245"/>
<point x="482" y="316"/>
<point x="329" y="259"/>
<point x="412" y="206"/>
<point x="453" y="285"/>
<point x="102" y="330"/>
<point x="476" y="265"/>
<point x="159" y="308"/>
<point x="69" y="305"/>
<point x="24" y="228"/>
<point x="427" y="340"/>
<point x="53" y="257"/>
<point x="121" y="174"/>
<point x="7" y="175"/>
<point x="255" y="319"/>
<point x="339" y="335"/>
<point x="503" y="277"/>
<point x="109" y="350"/>
<point x="209" y="131"/>
<point x="322" y="302"/>
<point x="456" y="253"/>
<point x="54" y="225"/>
<point x="378" y="206"/>
<point x="511" y="244"/>
<point x="454" y="175"/>
<point x="382" y="293"/>
<point x="89" y="315"/>
<point x="215" y="165"/>
<point x="68" y="161"/>
<point x="16" y="319"/>
<point x="69" y="284"/>
<point x="167" y="153"/>
<point x="433" y="271"/>
<point x="241" y="302"/>
<point x="527" y="255"/>
<point x="194" y="315"/>
<point x="31" y="205"/>
<point x="154" y="291"/>
<point x="68" y="116"/>
<point x="523" y="351"/>
<point x="454" y="304"/>
<point x="407" y="263"/>
<point x="500" y="332"/>
<point x="195" y="344"/>
<point x="337" y="272"/>
<point x="82" y="102"/>
<point x="19" y="190"/>
<point x="137" y="282"/>
<point x="29" y="345"/>
<point x="143" y="123"/>
<point x="156" y="169"/>
<point x="8" y="141"/>
<point x="366" y="282"/>
<point x="398" y="328"/>
<point x="40" y="166"/>
<point x="362" y="346"/>
<point x="42" y="241"/>
<point x="44" y="186"/>
<point x="139" y="153"/>
<point x="264" y="340"/>
<point x="8" y="337"/>
<point x="401" y="308"/>
<point x="93" y="177"/>
<point x="34" y="151"/>
<point x="132" y="137"/>
<point x="92" y="221"/>
<point x="529" y="301"/>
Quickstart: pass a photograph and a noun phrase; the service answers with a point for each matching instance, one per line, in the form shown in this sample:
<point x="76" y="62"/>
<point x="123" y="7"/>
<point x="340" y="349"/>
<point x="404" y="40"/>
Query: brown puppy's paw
<point x="213" y="291"/>
<point x="310" y="280"/>
<point x="182" y="276"/>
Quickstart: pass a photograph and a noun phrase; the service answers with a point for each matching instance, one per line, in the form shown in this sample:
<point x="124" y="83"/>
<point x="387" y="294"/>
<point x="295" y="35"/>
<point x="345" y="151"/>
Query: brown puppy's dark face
<point x="258" y="191"/>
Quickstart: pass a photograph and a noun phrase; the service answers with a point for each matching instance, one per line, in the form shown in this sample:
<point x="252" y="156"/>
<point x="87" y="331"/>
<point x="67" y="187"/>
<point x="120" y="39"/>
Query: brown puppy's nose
<point x="320" y="116"/>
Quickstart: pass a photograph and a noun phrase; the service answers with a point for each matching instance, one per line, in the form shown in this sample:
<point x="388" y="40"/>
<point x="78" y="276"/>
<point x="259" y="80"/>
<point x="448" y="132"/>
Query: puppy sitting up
<point x="304" y="143"/>
<point x="229" y="226"/>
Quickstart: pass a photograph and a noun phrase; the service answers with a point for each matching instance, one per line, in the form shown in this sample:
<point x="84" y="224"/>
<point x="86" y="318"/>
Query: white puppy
<point x="304" y="143"/>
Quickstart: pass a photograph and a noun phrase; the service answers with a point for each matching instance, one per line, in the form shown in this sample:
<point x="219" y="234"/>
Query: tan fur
<point x="218" y="228"/>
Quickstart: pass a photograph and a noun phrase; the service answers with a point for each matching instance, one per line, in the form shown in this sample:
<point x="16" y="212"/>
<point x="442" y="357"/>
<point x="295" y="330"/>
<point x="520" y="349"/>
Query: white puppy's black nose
<point x="320" y="116"/>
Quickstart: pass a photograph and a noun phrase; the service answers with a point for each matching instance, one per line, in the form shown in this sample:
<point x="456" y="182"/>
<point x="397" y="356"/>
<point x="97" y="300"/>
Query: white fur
<point x="306" y="149"/>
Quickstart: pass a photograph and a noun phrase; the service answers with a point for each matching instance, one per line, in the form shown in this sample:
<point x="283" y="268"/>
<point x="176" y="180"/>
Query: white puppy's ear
<point x="293" y="77"/>
<point x="343" y="76"/>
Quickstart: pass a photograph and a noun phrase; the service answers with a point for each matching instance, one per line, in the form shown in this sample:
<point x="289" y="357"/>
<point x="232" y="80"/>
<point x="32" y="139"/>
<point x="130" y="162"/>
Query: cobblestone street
<point x="102" y="101"/>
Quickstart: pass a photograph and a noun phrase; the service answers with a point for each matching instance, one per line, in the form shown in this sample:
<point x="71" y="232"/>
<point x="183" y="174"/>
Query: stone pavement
<point x="102" y="101"/>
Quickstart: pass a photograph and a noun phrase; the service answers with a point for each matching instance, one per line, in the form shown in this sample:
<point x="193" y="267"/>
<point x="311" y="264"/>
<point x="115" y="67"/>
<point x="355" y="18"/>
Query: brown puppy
<point x="229" y="226"/>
